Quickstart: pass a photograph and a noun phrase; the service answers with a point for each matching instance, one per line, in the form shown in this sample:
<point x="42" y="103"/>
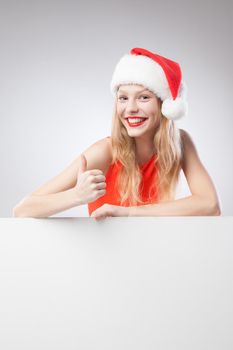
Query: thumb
<point x="83" y="166"/>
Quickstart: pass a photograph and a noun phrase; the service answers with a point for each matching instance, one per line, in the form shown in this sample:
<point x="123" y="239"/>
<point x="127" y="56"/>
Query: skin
<point x="135" y="100"/>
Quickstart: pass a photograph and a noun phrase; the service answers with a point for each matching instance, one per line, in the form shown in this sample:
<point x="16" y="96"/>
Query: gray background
<point x="57" y="59"/>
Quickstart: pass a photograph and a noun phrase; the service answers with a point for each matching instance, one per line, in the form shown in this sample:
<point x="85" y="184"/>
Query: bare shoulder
<point x="185" y="136"/>
<point x="187" y="141"/>
<point x="99" y="155"/>
<point x="189" y="148"/>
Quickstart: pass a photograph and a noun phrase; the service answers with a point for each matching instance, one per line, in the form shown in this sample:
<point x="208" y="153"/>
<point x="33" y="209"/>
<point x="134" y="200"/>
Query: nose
<point x="131" y="106"/>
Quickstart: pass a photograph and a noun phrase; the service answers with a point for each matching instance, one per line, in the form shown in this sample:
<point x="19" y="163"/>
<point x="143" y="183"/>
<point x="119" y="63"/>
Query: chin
<point x="135" y="134"/>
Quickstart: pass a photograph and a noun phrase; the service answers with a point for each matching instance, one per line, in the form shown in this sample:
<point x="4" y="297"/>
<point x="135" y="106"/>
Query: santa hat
<point x="160" y="75"/>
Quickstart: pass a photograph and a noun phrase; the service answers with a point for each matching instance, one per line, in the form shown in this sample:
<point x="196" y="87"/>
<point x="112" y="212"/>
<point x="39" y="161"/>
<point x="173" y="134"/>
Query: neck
<point x="144" y="149"/>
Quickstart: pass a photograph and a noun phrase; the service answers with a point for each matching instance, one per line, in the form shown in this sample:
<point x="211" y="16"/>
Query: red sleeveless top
<point x="111" y="196"/>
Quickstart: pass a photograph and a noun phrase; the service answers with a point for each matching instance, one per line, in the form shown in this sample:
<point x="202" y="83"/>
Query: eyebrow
<point x="138" y="92"/>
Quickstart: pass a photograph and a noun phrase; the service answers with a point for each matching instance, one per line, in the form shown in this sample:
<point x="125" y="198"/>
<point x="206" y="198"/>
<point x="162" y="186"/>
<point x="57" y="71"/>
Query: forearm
<point x="188" y="206"/>
<point x="46" y="205"/>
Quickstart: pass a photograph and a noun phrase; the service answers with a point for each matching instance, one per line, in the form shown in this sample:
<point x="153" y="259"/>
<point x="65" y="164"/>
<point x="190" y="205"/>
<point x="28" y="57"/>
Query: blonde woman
<point x="135" y="171"/>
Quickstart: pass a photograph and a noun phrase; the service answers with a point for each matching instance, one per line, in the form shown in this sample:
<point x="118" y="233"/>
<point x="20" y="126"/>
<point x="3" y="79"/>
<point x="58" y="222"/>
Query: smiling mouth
<point x="135" y="121"/>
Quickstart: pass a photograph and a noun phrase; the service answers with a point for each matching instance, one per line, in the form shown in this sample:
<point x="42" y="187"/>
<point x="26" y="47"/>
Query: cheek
<point x="153" y="111"/>
<point x="119" y="109"/>
<point x="154" y="116"/>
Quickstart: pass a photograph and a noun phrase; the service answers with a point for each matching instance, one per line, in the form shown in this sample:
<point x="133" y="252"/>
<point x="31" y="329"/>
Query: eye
<point x="123" y="97"/>
<point x="119" y="98"/>
<point x="145" y="96"/>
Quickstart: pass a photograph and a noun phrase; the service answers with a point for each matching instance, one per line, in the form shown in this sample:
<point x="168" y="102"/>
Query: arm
<point x="203" y="201"/>
<point x="46" y="205"/>
<point x="61" y="192"/>
<point x="54" y="196"/>
<point x="193" y="205"/>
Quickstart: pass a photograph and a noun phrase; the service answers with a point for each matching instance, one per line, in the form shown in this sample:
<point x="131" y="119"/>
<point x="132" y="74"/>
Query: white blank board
<point x="135" y="283"/>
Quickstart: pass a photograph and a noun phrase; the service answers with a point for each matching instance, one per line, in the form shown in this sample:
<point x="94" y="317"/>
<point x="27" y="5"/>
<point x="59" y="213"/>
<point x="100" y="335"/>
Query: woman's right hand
<point x="90" y="183"/>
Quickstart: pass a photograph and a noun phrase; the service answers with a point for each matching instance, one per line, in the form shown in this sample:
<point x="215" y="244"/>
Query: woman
<point x="135" y="171"/>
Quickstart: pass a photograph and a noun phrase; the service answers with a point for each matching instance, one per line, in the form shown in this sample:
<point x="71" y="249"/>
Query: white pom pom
<point x="174" y="109"/>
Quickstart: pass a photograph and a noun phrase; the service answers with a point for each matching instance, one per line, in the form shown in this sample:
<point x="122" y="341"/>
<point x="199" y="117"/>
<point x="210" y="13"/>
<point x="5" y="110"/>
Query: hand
<point x="110" y="210"/>
<point x="90" y="184"/>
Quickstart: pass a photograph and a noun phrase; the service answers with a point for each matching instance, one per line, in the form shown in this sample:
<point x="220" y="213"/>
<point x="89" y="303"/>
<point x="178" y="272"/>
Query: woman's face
<point x="139" y="109"/>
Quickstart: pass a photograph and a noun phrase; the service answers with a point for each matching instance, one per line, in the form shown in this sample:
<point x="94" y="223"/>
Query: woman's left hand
<point x="110" y="210"/>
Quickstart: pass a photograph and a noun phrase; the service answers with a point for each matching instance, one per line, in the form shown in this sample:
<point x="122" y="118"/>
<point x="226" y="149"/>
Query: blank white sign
<point x="139" y="283"/>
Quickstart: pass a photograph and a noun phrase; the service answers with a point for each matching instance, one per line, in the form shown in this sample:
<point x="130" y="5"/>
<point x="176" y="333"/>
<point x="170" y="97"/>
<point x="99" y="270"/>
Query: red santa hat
<point x="160" y="75"/>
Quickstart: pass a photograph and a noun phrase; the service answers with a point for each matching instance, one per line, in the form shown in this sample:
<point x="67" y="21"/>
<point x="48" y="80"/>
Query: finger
<point x="100" y="217"/>
<point x="100" y="178"/>
<point x="96" y="172"/>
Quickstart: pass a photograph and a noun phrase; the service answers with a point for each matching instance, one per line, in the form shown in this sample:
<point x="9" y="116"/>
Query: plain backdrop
<point x="56" y="63"/>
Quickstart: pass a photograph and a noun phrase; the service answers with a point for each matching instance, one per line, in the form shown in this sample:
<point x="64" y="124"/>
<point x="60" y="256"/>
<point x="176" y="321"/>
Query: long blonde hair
<point x="169" y="152"/>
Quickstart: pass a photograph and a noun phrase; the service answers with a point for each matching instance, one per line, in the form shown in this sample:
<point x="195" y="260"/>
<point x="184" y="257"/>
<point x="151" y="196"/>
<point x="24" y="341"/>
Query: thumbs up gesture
<point x="90" y="183"/>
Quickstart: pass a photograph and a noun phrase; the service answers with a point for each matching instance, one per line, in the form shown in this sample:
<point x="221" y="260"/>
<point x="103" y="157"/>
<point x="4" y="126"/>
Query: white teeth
<point x="137" y="120"/>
